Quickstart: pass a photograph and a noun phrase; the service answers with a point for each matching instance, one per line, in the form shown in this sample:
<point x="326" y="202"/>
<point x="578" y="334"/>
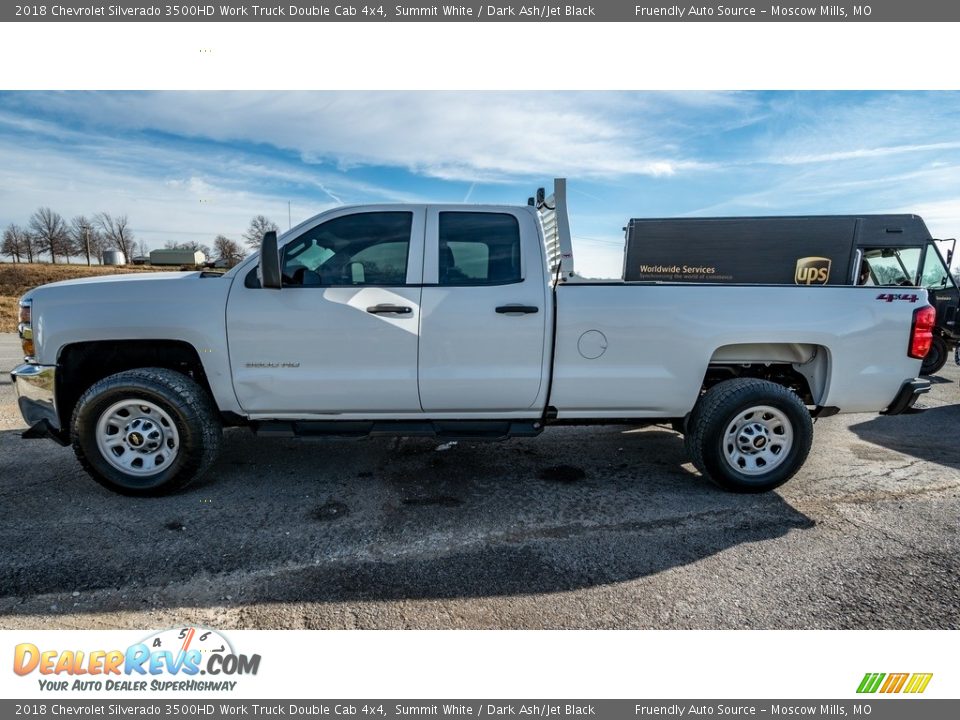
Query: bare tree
<point x="30" y="243"/>
<point x="116" y="232"/>
<point x="228" y="250"/>
<point x="259" y="226"/>
<point x="86" y="240"/>
<point x="16" y="243"/>
<point x="67" y="246"/>
<point x="50" y="232"/>
<point x="98" y="243"/>
<point x="142" y="249"/>
<point x="30" y="246"/>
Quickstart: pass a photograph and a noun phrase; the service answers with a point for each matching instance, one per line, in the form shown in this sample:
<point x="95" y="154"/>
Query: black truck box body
<point x="802" y="250"/>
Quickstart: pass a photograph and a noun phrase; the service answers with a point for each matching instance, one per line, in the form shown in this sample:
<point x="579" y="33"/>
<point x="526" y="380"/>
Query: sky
<point x="192" y="165"/>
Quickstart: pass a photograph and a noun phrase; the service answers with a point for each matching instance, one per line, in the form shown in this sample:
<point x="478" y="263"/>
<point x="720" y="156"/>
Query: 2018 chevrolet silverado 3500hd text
<point x="454" y="320"/>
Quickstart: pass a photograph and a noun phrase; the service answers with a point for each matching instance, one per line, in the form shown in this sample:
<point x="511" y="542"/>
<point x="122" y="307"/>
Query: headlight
<point x="25" y="328"/>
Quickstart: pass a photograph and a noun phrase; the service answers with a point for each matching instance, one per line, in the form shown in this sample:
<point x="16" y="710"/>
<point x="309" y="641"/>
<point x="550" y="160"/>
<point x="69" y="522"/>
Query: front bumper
<point x="909" y="392"/>
<point x="35" y="395"/>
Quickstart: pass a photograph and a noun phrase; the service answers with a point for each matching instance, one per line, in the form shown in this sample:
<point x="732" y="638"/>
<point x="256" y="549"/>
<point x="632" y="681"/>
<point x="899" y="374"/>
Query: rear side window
<point x="479" y="249"/>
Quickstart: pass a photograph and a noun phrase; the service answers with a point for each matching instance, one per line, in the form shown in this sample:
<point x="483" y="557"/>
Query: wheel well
<point x="802" y="367"/>
<point x="80" y="365"/>
<point x="780" y="373"/>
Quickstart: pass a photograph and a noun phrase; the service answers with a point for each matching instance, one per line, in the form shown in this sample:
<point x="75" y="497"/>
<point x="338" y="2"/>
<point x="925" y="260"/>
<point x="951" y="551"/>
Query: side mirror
<point x="270" y="262"/>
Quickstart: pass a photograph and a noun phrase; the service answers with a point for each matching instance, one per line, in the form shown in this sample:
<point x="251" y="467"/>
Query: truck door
<point x="943" y="293"/>
<point x="340" y="336"/>
<point x="483" y="328"/>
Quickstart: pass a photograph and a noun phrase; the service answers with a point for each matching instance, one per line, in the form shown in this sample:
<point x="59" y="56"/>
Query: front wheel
<point x="148" y="431"/>
<point x="749" y="435"/>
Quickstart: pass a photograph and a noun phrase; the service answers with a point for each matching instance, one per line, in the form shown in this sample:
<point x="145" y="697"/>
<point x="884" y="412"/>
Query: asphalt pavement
<point x="601" y="527"/>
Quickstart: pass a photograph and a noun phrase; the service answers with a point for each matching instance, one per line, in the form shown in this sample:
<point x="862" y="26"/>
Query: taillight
<point x="921" y="334"/>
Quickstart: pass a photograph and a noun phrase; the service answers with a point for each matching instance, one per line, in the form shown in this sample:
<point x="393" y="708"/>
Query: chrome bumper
<point x="35" y="395"/>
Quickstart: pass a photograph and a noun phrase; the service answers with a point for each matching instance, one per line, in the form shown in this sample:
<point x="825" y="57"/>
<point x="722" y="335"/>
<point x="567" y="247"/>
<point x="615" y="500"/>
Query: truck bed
<point x="631" y="349"/>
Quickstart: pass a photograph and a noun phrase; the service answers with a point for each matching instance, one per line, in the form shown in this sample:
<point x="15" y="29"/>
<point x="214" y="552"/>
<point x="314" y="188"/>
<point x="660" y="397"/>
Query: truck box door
<point x="341" y="336"/>
<point x="484" y="313"/>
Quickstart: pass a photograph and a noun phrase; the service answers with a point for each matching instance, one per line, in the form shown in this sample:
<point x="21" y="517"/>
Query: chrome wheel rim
<point x="137" y="437"/>
<point x="757" y="440"/>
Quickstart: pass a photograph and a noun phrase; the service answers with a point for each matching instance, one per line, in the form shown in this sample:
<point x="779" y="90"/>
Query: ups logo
<point x="812" y="271"/>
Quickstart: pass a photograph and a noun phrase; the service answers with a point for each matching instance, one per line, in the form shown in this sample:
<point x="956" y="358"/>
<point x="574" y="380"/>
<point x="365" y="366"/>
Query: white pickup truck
<point x="463" y="321"/>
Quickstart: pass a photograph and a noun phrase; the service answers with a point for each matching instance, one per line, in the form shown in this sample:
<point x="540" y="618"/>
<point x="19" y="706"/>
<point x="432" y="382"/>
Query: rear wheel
<point x="146" y="432"/>
<point x="749" y="435"/>
<point x="936" y="358"/>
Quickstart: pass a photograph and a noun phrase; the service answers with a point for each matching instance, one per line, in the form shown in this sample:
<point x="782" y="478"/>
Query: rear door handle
<point x="387" y="308"/>
<point x="517" y="309"/>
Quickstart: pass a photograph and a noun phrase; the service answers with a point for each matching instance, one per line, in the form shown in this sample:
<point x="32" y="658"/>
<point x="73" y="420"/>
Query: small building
<point x="177" y="257"/>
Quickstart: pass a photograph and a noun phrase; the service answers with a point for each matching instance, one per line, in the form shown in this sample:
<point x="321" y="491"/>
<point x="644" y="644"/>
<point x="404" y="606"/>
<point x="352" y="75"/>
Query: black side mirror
<point x="270" y="262"/>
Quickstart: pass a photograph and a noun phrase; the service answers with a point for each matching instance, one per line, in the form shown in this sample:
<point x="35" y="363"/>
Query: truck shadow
<point x="284" y="520"/>
<point x="927" y="435"/>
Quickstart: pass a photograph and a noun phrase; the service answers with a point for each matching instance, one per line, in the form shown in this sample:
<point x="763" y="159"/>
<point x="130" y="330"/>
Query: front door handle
<point x="387" y="308"/>
<point x="517" y="309"/>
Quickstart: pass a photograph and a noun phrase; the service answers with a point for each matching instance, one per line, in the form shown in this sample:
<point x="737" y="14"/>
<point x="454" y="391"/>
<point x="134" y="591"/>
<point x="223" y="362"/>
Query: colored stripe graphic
<point x="894" y="682"/>
<point x="870" y="682"/>
<point x="918" y="682"/>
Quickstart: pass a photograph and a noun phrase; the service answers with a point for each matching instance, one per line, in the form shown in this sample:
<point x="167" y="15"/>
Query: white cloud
<point x="942" y="217"/>
<point x="863" y="152"/>
<point x="486" y="137"/>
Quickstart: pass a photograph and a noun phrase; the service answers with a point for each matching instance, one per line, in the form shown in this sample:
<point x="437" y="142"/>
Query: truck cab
<point x="399" y="311"/>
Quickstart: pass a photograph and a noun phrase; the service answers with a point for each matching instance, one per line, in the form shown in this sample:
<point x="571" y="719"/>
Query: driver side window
<point x="360" y="249"/>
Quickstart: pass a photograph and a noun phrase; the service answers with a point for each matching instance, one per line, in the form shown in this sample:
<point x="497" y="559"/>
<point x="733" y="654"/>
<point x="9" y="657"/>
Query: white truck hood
<point x="121" y="278"/>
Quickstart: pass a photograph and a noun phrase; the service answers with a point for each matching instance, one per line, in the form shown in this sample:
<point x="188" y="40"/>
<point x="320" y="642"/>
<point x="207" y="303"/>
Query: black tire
<point x="194" y="417"/>
<point x="936" y="358"/>
<point x="710" y="447"/>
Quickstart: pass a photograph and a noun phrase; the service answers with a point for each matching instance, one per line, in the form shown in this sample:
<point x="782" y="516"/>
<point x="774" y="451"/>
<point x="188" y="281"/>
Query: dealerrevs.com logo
<point x="181" y="659"/>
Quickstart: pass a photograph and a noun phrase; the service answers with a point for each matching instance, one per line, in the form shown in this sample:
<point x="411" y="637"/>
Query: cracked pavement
<point x="598" y="527"/>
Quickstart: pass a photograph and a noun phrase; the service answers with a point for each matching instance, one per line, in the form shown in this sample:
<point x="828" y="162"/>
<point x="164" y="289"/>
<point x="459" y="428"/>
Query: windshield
<point x="890" y="266"/>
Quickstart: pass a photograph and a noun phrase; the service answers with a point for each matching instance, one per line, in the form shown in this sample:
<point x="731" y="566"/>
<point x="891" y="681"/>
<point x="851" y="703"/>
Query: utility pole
<point x="289" y="223"/>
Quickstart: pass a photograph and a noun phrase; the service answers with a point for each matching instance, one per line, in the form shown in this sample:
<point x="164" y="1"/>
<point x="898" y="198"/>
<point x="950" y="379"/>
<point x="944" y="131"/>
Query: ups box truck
<point x="878" y="250"/>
